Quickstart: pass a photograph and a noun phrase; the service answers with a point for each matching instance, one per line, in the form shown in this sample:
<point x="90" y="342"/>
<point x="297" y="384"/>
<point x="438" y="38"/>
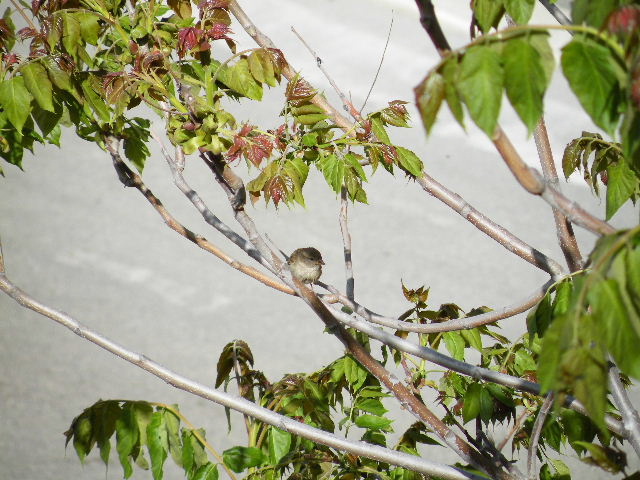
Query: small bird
<point x="306" y="264"/>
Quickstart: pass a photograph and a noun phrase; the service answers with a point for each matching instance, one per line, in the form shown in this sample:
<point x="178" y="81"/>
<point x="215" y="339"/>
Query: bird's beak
<point x="321" y="262"/>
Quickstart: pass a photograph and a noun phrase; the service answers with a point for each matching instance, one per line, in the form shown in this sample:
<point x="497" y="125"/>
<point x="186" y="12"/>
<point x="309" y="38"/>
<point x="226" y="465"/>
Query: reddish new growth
<point x="254" y="148"/>
<point x="625" y="20"/>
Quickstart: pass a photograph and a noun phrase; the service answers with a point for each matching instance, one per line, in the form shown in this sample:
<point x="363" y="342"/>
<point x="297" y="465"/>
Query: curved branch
<point x="235" y="402"/>
<point x="532" y="451"/>
<point x="464" y="323"/>
<point x="630" y="419"/>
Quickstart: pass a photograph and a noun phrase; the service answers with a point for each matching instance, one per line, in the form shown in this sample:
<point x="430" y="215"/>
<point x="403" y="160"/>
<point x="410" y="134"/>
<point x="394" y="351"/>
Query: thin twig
<point x="348" y="105"/>
<point x="346" y="243"/>
<point x="535" y="436"/>
<point x="516" y="426"/>
<point x="464" y="323"/>
<point x="288" y="71"/>
<point x="630" y="418"/>
<point x="235" y="402"/>
<point x="384" y="51"/>
<point x="564" y="230"/>
<point x="132" y="179"/>
<point x="558" y="14"/>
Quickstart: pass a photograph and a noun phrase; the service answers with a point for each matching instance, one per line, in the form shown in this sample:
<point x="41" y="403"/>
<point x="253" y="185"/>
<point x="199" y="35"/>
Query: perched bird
<point x="306" y="264"/>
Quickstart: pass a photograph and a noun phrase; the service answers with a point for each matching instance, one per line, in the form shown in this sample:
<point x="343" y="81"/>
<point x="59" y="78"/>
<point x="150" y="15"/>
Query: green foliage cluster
<point x="91" y="62"/>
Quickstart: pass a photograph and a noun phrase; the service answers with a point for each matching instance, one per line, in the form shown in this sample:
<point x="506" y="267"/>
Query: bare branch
<point x="131" y="179"/>
<point x="630" y="418"/>
<point x="489" y="227"/>
<point x="346" y="242"/>
<point x="464" y="323"/>
<point x="535" y="436"/>
<point x="384" y="51"/>
<point x="348" y="106"/>
<point x="558" y="14"/>
<point x="235" y="402"/>
<point x="564" y="230"/>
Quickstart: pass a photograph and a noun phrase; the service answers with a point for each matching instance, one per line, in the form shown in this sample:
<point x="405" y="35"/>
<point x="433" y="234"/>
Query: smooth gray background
<point x="76" y="240"/>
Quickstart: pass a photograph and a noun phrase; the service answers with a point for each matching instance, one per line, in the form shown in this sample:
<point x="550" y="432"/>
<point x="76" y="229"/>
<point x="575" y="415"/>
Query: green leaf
<point x="261" y="67"/>
<point x="208" y="471"/>
<point x="471" y="405"/>
<point x="519" y="10"/>
<point x="89" y="26"/>
<point x="71" y="33"/>
<point x="279" y="444"/>
<point x="594" y="75"/>
<point x="239" y="458"/>
<point x="481" y="86"/>
<point x="429" y="96"/>
<point x="622" y="184"/>
<point x="126" y="439"/>
<point x="455" y="344"/>
<point x="616" y="323"/>
<point x="332" y="168"/>
<point x="238" y="78"/>
<point x="450" y="73"/>
<point x="373" y="422"/>
<point x="158" y="444"/>
<point x="525" y="80"/>
<point x="591" y="12"/>
<point x="488" y="13"/>
<point x="135" y="147"/>
<point x="371" y="405"/>
<point x="378" y="129"/>
<point x="409" y="161"/>
<point x="556" y="341"/>
<point x="354" y="373"/>
<point x="37" y="82"/>
<point x="16" y="101"/>
<point x="472" y="338"/>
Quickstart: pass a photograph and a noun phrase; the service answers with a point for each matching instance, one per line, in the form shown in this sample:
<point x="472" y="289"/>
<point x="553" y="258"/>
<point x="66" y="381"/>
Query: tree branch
<point x="131" y="179"/>
<point x="490" y="228"/>
<point x="399" y="390"/>
<point x="558" y="14"/>
<point x="235" y="402"/>
<point x="528" y="178"/>
<point x="464" y="323"/>
<point x="564" y="230"/>
<point x="630" y="418"/>
<point x="535" y="436"/>
<point x="346" y="242"/>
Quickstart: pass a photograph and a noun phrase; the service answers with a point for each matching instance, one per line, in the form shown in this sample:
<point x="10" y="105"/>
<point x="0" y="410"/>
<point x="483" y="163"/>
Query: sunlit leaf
<point x="481" y="86"/>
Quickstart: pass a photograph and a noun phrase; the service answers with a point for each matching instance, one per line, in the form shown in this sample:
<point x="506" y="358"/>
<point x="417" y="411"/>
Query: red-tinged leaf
<point x="218" y="31"/>
<point x="258" y="149"/>
<point x="299" y="89"/>
<point x="389" y="153"/>
<point x="211" y="4"/>
<point x="624" y="20"/>
<point x="188" y="39"/>
<point x="276" y="189"/>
